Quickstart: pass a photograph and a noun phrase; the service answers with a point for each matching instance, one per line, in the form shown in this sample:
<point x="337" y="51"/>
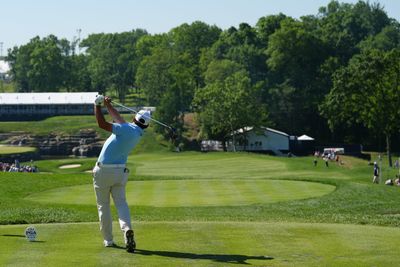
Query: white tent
<point x="4" y="66"/>
<point x="305" y="138"/>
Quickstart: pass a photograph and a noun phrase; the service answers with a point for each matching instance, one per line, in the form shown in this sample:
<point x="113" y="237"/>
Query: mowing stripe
<point x="209" y="193"/>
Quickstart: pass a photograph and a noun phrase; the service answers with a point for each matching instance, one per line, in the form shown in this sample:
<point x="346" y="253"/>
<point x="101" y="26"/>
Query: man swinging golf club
<point x="110" y="174"/>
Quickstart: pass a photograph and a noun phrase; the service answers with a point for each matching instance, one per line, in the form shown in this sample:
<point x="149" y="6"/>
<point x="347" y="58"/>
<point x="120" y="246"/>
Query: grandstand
<point x="33" y="106"/>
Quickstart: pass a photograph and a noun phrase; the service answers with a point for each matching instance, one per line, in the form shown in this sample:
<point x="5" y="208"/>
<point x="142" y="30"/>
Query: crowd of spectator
<point x="17" y="167"/>
<point x="326" y="157"/>
<point x="393" y="181"/>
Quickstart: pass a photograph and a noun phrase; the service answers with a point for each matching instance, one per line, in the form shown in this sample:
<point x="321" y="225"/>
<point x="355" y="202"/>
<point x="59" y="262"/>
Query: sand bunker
<point x="70" y="166"/>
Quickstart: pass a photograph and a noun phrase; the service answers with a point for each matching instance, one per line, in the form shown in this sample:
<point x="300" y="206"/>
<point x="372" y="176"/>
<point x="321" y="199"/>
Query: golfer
<point x="110" y="174"/>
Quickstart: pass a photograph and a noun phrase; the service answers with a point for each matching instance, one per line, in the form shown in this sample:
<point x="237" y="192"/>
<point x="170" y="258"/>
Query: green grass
<point x="53" y="166"/>
<point x="355" y="199"/>
<point x="7" y="150"/>
<point x="205" y="244"/>
<point x="207" y="209"/>
<point x="186" y="193"/>
<point x="59" y="124"/>
<point x="7" y="87"/>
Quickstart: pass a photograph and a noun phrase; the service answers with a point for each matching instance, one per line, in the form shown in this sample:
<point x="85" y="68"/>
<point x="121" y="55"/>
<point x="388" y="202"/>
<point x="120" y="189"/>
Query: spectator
<point x="375" y="180"/>
<point x="389" y="182"/>
<point x="326" y="159"/>
<point x="16" y="163"/>
<point x="7" y="167"/>
<point x="397" y="181"/>
<point x="315" y="162"/>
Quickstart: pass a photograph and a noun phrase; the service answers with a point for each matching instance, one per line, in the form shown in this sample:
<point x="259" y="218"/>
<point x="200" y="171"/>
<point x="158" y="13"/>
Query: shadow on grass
<point x="9" y="235"/>
<point x="227" y="258"/>
<point x="22" y="236"/>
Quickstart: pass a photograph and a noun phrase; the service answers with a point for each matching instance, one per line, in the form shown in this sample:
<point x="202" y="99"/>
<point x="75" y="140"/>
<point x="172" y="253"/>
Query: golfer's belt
<point x="101" y="165"/>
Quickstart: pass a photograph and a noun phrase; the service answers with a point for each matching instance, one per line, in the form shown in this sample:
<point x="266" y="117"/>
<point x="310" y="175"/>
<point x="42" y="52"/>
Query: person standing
<point x="375" y="180"/>
<point x="110" y="175"/>
<point x="326" y="159"/>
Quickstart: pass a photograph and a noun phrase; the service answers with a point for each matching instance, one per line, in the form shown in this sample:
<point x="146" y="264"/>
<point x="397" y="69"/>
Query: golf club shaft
<point x="134" y="111"/>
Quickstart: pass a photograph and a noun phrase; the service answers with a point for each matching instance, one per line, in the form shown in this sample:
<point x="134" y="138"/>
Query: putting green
<point x="204" y="244"/>
<point x="182" y="193"/>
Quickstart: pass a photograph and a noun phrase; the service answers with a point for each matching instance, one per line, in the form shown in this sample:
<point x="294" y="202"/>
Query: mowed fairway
<point x="213" y="209"/>
<point x="186" y="193"/>
<point x="228" y="165"/>
<point x="4" y="150"/>
<point x="210" y="165"/>
<point x="204" y="244"/>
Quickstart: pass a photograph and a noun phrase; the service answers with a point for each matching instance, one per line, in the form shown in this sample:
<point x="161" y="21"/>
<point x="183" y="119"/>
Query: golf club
<point x="172" y="130"/>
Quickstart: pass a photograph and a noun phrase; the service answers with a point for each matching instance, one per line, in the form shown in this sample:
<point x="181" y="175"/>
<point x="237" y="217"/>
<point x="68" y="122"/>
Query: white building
<point x="26" y="106"/>
<point x="261" y="140"/>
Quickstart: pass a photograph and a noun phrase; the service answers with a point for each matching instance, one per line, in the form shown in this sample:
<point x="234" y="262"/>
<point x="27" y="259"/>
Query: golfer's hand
<point x="99" y="100"/>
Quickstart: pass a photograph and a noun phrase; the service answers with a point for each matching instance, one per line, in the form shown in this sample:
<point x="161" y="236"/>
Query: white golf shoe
<point x="108" y="243"/>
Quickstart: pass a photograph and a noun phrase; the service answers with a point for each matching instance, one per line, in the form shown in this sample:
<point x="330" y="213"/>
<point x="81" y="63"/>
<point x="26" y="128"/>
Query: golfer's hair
<point x="138" y="123"/>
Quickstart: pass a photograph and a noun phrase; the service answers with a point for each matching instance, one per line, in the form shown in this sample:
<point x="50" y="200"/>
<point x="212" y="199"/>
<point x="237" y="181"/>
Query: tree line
<point x="334" y="75"/>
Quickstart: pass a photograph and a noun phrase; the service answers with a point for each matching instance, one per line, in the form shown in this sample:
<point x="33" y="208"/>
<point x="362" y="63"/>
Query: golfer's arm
<point x="114" y="114"/>
<point x="101" y="121"/>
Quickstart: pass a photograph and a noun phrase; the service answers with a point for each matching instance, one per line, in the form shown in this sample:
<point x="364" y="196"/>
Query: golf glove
<point x="99" y="100"/>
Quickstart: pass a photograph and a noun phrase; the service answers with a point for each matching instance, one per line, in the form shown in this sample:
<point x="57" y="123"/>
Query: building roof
<point x="46" y="98"/>
<point x="248" y="129"/>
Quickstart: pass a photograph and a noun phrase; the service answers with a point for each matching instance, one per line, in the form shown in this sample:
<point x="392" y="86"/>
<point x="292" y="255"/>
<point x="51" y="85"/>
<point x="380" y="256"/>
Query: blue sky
<point x="21" y="20"/>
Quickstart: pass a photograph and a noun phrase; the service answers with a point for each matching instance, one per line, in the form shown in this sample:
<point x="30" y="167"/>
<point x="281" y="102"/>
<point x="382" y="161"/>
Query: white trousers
<point x="111" y="181"/>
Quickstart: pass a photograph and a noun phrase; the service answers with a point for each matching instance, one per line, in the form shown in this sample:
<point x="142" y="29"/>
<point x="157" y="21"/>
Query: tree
<point x="228" y="102"/>
<point x="343" y="26"/>
<point x="169" y="71"/>
<point x="294" y="59"/>
<point x="39" y="65"/>
<point x="386" y="40"/>
<point x="112" y="64"/>
<point x="178" y="96"/>
<point x="241" y="45"/>
<point x="367" y="91"/>
<point x="266" y="26"/>
<point x="78" y="79"/>
<point x="153" y="76"/>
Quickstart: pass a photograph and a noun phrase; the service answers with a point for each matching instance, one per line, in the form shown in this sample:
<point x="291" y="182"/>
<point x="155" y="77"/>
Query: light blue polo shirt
<point x="117" y="147"/>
